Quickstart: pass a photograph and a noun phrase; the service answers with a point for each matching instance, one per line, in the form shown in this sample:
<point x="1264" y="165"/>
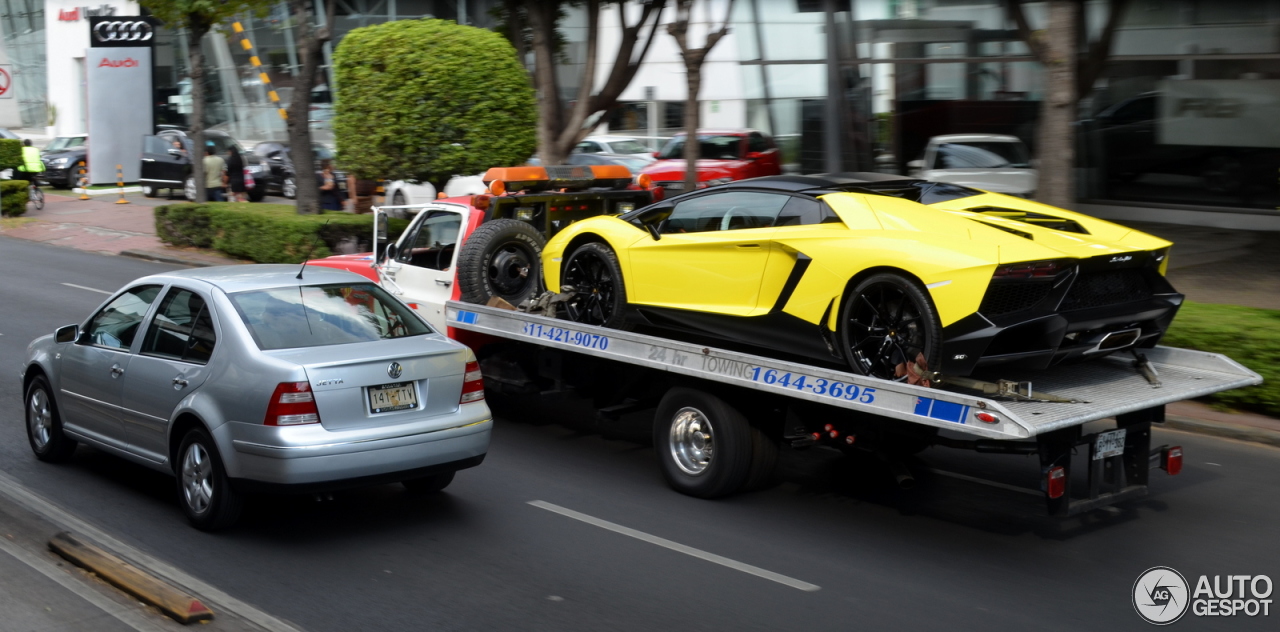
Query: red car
<point x="725" y="156"/>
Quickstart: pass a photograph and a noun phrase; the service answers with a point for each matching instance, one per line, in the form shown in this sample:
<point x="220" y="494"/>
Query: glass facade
<point x="22" y="25"/>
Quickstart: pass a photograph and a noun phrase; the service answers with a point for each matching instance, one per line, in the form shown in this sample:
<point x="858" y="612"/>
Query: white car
<point x="618" y="145"/>
<point x="991" y="162"/>
<point x="412" y="192"/>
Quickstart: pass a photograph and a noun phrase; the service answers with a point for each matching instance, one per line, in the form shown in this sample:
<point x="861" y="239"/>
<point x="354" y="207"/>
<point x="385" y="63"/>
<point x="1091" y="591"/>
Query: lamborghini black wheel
<point x="887" y="323"/>
<point x="599" y="296"/>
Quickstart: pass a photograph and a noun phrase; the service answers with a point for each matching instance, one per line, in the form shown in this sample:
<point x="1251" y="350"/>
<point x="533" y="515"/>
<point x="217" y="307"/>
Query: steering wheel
<point x="441" y="258"/>
<point x="728" y="218"/>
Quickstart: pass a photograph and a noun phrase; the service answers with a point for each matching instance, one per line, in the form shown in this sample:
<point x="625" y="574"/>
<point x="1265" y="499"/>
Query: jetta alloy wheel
<point x="40" y="419"/>
<point x="197" y="478"/>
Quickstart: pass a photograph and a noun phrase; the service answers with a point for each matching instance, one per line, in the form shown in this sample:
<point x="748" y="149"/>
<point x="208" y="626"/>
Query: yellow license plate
<point x="392" y="397"/>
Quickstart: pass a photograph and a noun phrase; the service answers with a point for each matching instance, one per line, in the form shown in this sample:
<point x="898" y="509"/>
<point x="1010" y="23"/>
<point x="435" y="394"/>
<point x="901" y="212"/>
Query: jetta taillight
<point x="472" y="384"/>
<point x="292" y="404"/>
<point x="1030" y="270"/>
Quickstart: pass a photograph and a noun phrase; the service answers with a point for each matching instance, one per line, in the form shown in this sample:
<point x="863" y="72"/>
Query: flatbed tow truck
<point x="720" y="415"/>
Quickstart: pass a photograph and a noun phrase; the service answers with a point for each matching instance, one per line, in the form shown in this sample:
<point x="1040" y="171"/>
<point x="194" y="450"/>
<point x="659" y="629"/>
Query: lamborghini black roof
<point x="889" y="184"/>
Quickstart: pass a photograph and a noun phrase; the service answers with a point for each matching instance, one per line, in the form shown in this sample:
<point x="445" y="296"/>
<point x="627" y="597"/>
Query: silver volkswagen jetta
<point x="247" y="378"/>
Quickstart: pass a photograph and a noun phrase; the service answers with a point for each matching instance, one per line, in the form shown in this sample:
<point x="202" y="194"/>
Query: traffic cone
<point x="120" y="183"/>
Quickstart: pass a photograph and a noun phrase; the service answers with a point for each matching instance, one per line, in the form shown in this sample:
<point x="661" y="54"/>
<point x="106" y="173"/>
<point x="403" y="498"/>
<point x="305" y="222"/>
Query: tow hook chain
<point x="545" y="304"/>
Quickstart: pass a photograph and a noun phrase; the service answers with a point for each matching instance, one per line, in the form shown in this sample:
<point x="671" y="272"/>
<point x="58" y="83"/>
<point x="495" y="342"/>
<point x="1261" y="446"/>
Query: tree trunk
<point x="692" y="118"/>
<point x="542" y="20"/>
<point x="309" y="54"/>
<point x="1058" y="110"/>
<point x="195" y="36"/>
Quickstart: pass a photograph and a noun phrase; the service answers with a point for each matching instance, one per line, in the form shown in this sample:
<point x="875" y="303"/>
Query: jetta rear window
<point x="319" y="315"/>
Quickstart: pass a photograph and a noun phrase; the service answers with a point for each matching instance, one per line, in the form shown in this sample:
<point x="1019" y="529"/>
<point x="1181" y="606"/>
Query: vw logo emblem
<point x="394" y="370"/>
<point x="123" y="31"/>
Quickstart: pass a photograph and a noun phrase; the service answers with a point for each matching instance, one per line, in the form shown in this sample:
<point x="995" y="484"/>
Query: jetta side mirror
<point x="66" y="334"/>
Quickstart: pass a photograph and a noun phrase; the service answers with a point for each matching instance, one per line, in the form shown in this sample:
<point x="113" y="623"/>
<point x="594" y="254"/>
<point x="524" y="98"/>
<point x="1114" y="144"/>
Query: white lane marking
<point x="983" y="481"/>
<point x="938" y="284"/>
<point x="1206" y="462"/>
<point x="676" y="546"/>
<point x="81" y="287"/>
<point x="132" y="618"/>
<point x="210" y="595"/>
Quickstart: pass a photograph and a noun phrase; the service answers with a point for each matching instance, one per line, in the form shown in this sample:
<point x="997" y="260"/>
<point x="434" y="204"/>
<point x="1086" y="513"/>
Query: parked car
<point x="6" y="133"/>
<point x="165" y="166"/>
<point x="991" y="162"/>
<point x="615" y="145"/>
<point x="725" y="156"/>
<point x="66" y="160"/>
<point x="280" y="175"/>
<point x="874" y="271"/>
<point x="635" y="165"/>
<point x="413" y="192"/>
<point x="259" y="378"/>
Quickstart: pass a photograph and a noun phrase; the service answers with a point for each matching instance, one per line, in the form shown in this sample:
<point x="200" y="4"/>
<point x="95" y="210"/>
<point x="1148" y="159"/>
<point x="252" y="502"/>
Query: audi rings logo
<point x="132" y="31"/>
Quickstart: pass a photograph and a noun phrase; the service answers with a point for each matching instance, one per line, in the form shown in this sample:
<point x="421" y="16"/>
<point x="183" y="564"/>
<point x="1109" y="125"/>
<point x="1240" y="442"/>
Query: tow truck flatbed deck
<point x="1105" y="388"/>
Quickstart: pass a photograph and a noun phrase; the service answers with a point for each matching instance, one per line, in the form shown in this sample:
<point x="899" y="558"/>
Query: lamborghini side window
<point x="803" y="211"/>
<point x="734" y="210"/>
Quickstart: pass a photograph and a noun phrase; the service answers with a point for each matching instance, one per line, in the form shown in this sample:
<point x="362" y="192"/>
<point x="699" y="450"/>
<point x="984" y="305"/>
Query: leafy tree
<point x="693" y="58"/>
<point x="310" y="42"/>
<point x="428" y="99"/>
<point x="197" y="17"/>
<point x="561" y="126"/>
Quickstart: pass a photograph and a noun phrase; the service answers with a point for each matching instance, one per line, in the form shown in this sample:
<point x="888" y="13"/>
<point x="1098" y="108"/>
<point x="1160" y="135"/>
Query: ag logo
<point x="1161" y="595"/>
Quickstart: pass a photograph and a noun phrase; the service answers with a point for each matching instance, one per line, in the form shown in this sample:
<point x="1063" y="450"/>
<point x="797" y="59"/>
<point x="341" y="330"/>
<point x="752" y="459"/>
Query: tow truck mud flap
<point x="896" y="400"/>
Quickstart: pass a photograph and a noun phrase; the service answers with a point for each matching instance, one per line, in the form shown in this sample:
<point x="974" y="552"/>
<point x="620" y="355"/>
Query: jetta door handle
<point x="117" y="370"/>
<point x="443" y="282"/>
<point x="179" y="382"/>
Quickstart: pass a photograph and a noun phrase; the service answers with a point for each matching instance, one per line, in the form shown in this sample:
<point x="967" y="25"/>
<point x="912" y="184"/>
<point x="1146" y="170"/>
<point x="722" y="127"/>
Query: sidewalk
<point x="100" y="225"/>
<point x="1209" y="265"/>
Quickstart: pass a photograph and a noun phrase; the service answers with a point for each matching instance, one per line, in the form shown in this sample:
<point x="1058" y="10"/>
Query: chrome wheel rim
<point x="197" y="478"/>
<point x="691" y="442"/>
<point x="40" y="419"/>
<point x="289" y="189"/>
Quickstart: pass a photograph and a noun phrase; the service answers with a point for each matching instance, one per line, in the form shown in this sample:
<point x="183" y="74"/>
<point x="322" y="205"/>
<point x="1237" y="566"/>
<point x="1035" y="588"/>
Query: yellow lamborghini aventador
<point x="870" y="270"/>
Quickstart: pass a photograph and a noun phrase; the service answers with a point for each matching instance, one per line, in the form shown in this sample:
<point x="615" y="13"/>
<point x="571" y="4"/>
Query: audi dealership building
<point x="1182" y="114"/>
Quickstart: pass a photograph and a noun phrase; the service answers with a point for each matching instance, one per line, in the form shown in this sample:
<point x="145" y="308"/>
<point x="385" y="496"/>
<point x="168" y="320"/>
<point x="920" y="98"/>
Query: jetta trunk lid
<point x="341" y="377"/>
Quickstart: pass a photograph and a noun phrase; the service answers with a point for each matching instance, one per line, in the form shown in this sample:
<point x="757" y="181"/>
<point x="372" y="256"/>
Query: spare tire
<point x="503" y="259"/>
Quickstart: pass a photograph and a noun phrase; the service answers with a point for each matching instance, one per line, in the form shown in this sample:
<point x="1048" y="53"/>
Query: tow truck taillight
<point x="1171" y="460"/>
<point x="292" y="404"/>
<point x="1056" y="482"/>
<point x="472" y="384"/>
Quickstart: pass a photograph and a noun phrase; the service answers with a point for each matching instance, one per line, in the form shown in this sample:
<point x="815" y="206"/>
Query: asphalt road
<point x="950" y="554"/>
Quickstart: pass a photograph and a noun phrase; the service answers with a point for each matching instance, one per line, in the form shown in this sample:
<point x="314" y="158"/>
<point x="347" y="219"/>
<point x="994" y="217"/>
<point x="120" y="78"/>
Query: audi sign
<point x="121" y="32"/>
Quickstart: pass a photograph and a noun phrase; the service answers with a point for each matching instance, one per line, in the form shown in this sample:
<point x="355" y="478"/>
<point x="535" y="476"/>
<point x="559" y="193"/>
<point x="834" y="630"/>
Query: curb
<point x="1241" y="433"/>
<point x="182" y="607"/>
<point x="162" y="257"/>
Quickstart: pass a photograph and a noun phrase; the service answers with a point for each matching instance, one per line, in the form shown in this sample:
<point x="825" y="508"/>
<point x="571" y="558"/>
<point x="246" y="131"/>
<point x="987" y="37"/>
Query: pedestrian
<point x="330" y="196"/>
<point x="213" y="176"/>
<point x="235" y="175"/>
<point x="31" y="166"/>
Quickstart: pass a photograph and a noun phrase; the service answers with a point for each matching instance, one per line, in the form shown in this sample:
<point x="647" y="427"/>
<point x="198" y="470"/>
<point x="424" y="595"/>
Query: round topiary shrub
<point x="430" y="99"/>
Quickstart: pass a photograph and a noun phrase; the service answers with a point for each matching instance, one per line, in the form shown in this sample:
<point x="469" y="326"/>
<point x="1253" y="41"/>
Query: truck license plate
<point x="1109" y="444"/>
<point x="392" y="397"/>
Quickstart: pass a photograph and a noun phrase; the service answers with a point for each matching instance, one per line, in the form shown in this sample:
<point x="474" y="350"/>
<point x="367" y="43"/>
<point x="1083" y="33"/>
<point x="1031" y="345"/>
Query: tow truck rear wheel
<point x="704" y="445"/>
<point x="503" y="259"/>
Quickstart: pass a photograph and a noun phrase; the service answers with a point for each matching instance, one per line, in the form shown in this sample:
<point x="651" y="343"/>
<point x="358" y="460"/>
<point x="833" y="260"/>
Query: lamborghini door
<point x="710" y="255"/>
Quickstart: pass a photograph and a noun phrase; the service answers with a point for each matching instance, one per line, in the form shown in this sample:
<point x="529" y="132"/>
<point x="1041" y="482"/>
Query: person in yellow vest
<point x="32" y="166"/>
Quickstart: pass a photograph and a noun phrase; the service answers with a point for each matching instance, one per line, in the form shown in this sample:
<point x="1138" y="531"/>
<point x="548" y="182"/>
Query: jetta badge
<point x="1121" y="259"/>
<point x="395" y="370"/>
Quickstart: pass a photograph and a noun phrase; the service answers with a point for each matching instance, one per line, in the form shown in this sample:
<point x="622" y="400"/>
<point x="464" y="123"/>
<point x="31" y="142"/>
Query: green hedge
<point x="1247" y="335"/>
<point x="264" y="233"/>
<point x="13" y="197"/>
<point x="10" y="153"/>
